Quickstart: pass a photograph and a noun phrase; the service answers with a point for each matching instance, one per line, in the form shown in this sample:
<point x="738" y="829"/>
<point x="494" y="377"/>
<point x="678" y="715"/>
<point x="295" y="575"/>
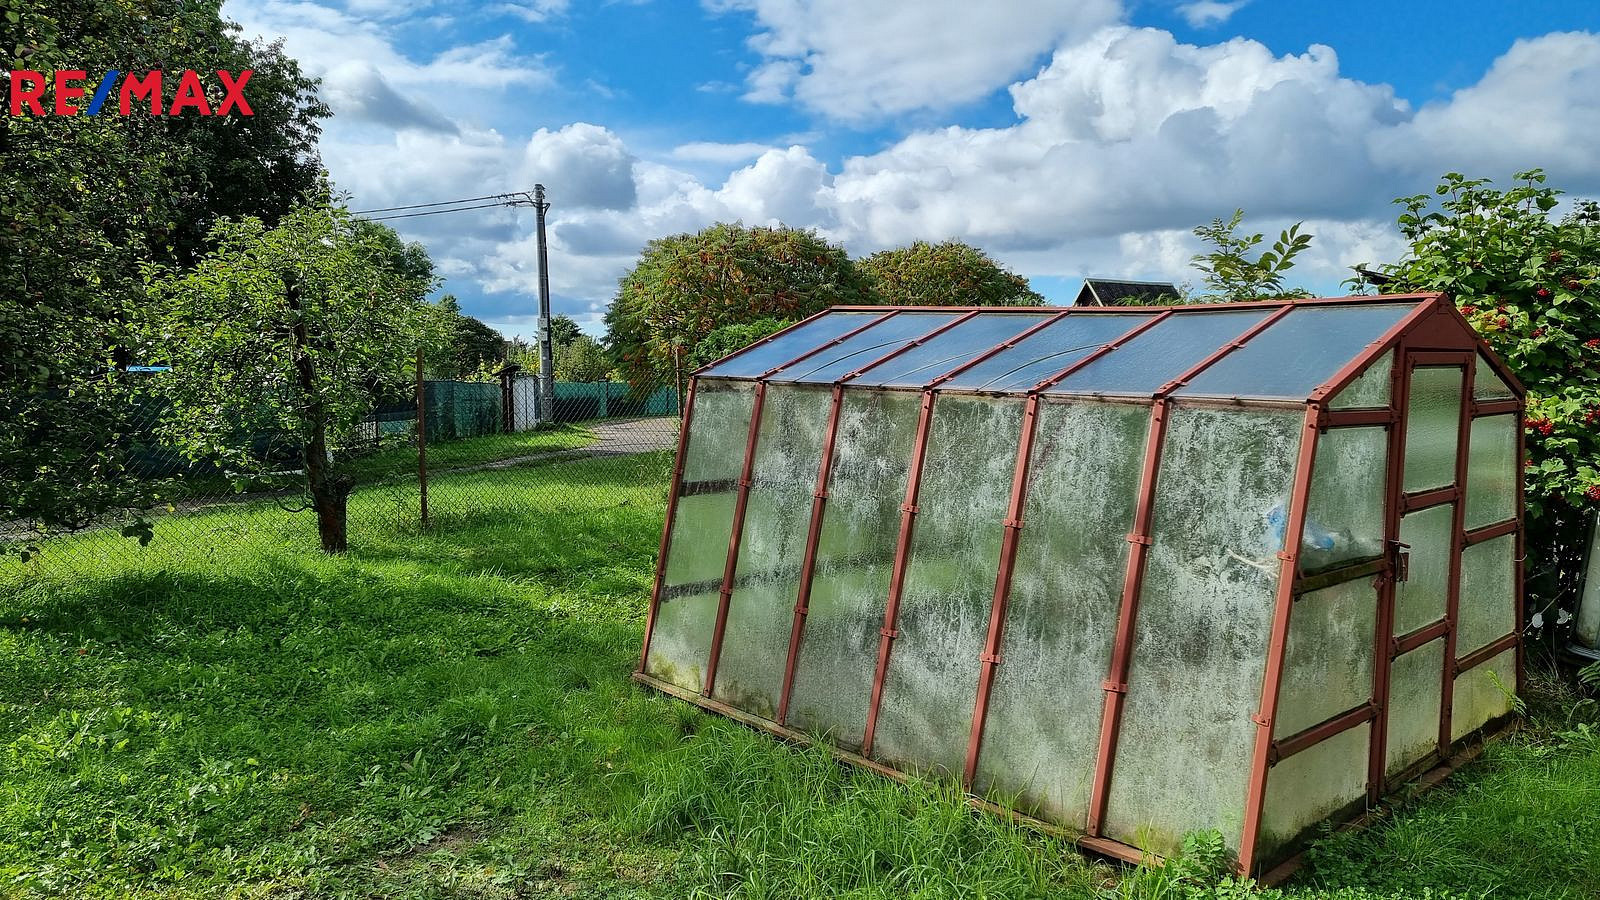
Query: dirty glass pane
<point x="1042" y="729"/>
<point x="1433" y="423"/>
<point x="1328" y="662"/>
<point x="856" y="352"/>
<point x="1298" y="353"/>
<point x="1414" y="680"/>
<point x="755" y="641"/>
<point x="1183" y="757"/>
<point x="1488" y="578"/>
<point x="1482" y="693"/>
<point x="860" y="523"/>
<point x="1312" y="785"/>
<point x="952" y="348"/>
<point x="1420" y="599"/>
<point x="1486" y="385"/>
<point x="787" y="346"/>
<point x="1587" y="628"/>
<point x="1047" y="352"/>
<point x="1161" y="354"/>
<point x="1344" y="516"/>
<point x="926" y="715"/>
<point x="1372" y="388"/>
<point x="1492" y="471"/>
<point x="680" y="644"/>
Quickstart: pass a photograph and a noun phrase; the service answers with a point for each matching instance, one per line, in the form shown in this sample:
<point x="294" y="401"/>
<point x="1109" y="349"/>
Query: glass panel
<point x="1066" y="587"/>
<point x="1482" y="693"/>
<point x="1328" y="660"/>
<point x="1414" y="705"/>
<point x="1161" y="354"/>
<point x="755" y="642"/>
<point x="1344" y="516"/>
<point x="1492" y="471"/>
<point x="1372" y="388"/>
<point x="1299" y="352"/>
<point x="1587" y="628"/>
<point x="926" y="714"/>
<point x="1486" y="385"/>
<point x="1488" y="594"/>
<point x="1432" y="425"/>
<point x="786" y="347"/>
<point x="1183" y="757"/>
<point x="1047" y="352"/>
<point x="855" y="352"/>
<point x="1420" y="599"/>
<point x="860" y="523"/>
<point x="1311" y="786"/>
<point x="680" y="643"/>
<point x="952" y="348"/>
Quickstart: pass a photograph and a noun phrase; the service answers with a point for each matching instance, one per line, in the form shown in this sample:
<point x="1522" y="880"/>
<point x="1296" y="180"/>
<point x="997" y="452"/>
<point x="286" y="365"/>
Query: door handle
<point x="1400" y="561"/>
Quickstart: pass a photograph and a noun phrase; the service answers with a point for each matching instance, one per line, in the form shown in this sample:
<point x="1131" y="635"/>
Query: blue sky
<point x="1067" y="139"/>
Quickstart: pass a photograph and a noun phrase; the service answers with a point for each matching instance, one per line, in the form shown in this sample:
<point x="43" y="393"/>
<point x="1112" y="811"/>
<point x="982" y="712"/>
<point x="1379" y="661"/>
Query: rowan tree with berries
<point x="1527" y="276"/>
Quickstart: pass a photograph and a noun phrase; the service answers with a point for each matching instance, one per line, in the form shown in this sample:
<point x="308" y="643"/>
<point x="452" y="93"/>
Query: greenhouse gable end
<point x="1131" y="571"/>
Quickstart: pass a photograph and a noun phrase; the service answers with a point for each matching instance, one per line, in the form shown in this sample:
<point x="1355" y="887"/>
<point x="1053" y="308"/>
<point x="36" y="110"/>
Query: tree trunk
<point x="330" y="492"/>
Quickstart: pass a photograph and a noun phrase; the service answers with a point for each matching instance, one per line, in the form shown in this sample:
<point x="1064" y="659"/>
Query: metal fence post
<point x="422" y="444"/>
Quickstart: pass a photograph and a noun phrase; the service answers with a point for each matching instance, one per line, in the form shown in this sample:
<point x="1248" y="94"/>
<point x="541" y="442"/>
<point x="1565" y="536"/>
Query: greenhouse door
<point x="1426" y="554"/>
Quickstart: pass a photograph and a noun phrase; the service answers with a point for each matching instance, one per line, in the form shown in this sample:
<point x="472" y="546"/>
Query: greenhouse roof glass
<point x="1262" y="351"/>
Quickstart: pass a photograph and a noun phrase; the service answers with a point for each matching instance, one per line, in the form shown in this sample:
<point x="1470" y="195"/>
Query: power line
<point x="438" y="212"/>
<point x="362" y="212"/>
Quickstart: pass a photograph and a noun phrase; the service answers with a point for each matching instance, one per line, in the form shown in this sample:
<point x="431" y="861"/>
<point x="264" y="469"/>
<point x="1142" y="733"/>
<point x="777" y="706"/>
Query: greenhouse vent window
<point x="1129" y="572"/>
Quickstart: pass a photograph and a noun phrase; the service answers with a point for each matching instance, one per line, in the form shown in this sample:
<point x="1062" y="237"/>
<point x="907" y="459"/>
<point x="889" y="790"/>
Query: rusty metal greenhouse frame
<point x="1433" y="333"/>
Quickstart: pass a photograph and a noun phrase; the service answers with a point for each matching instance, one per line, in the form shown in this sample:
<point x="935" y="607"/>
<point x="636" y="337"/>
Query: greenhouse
<point x="1131" y="572"/>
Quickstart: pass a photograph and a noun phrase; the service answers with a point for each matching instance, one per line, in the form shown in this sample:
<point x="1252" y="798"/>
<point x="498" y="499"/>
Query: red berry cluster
<point x="1593" y="493"/>
<point x="1592" y="343"/>
<point x="1541" y="425"/>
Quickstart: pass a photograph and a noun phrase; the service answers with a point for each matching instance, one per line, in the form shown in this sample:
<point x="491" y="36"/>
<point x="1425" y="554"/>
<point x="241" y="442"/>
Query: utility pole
<point x="547" y="376"/>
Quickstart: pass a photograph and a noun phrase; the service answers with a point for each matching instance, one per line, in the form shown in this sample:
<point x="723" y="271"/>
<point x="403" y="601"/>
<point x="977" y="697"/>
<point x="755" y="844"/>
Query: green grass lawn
<point x="449" y="714"/>
<point x="401" y="460"/>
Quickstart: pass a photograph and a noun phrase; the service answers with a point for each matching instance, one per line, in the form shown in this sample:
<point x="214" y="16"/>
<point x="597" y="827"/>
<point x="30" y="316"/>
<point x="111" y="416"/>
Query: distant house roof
<point x="1118" y="292"/>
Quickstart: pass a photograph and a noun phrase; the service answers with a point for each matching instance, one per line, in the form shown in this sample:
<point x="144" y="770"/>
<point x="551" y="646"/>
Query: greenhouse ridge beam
<point x="1116" y="683"/>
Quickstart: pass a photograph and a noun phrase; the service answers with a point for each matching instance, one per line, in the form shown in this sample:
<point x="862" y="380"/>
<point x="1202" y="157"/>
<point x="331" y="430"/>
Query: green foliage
<point x="686" y="285"/>
<point x="87" y="199"/>
<point x="1231" y="276"/>
<point x="1529" y="281"/>
<point x="725" y="340"/>
<point x="292" y="331"/>
<point x="581" y="359"/>
<point x="471" y="349"/>
<point x="949" y="273"/>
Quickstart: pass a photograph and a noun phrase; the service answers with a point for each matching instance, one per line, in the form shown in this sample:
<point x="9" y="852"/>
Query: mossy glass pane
<point x="1371" y="389"/>
<point x="1486" y="612"/>
<point x="755" y="643"/>
<point x="1043" y="724"/>
<point x="1414" y="684"/>
<point x="1433" y="424"/>
<point x="1183" y="756"/>
<point x="1311" y="786"/>
<point x="926" y="715"/>
<point x="1492" y="471"/>
<point x="1482" y="693"/>
<point x="860" y="523"/>
<point x="1344" y="519"/>
<point x="1420" y="599"/>
<point x="1328" y="662"/>
<point x="680" y="643"/>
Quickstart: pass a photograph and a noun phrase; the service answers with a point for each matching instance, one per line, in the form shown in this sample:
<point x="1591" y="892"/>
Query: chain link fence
<point x="484" y="450"/>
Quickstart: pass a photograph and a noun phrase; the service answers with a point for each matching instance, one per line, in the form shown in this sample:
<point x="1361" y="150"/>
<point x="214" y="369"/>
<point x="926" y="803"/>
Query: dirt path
<point x="613" y="437"/>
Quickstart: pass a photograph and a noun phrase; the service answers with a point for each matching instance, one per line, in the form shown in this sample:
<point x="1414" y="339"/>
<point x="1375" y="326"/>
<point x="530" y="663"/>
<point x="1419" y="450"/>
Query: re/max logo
<point x="28" y="90"/>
